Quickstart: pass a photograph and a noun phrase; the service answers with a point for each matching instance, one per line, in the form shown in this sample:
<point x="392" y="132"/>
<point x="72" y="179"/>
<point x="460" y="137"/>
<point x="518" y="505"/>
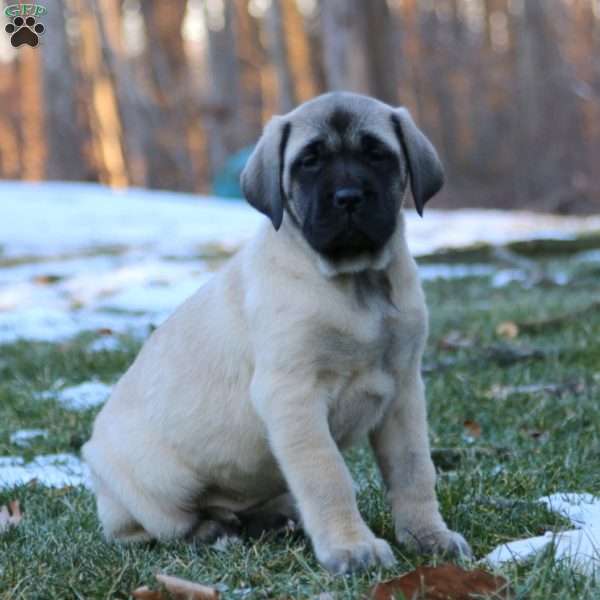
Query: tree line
<point x="159" y="94"/>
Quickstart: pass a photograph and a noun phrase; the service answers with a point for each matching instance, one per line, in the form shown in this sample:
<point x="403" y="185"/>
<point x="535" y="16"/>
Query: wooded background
<point x="159" y="93"/>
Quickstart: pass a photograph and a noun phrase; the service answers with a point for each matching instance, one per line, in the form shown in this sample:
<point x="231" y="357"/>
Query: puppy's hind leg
<point x="146" y="518"/>
<point x="117" y="523"/>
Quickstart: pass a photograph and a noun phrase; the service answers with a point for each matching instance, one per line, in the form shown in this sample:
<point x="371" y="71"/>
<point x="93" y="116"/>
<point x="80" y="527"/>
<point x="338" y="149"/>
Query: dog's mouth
<point x="349" y="242"/>
<point x="349" y="235"/>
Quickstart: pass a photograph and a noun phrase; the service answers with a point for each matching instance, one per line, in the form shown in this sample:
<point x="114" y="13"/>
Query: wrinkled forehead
<point x="340" y="126"/>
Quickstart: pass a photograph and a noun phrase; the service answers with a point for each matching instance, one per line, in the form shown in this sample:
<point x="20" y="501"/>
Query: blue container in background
<point x="226" y="182"/>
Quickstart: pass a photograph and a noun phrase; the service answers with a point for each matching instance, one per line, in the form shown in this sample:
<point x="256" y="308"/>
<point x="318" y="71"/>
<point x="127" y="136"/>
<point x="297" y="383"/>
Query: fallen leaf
<point x="507" y="329"/>
<point x="445" y="582"/>
<point x="176" y="589"/>
<point x="104" y="331"/>
<point x="10" y="516"/>
<point x="145" y="593"/>
<point x="472" y="428"/>
<point x="47" y="279"/>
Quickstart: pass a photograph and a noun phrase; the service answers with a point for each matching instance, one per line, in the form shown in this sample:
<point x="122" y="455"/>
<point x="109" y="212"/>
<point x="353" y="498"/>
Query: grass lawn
<point x="533" y="444"/>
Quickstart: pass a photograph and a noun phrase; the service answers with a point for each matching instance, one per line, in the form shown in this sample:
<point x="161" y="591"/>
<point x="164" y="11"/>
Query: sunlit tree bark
<point x="103" y="110"/>
<point x="64" y="126"/>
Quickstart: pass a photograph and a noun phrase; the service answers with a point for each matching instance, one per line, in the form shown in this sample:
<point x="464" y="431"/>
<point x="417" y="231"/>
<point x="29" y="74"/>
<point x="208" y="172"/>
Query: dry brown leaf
<point x="445" y="582"/>
<point x="46" y="279"/>
<point x="177" y="589"/>
<point x="145" y="593"/>
<point x="104" y="331"/>
<point x="507" y="329"/>
<point x="472" y="428"/>
<point x="10" y="516"/>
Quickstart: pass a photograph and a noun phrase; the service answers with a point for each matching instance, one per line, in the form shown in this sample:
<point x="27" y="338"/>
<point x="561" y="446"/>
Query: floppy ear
<point x="424" y="166"/>
<point x="262" y="177"/>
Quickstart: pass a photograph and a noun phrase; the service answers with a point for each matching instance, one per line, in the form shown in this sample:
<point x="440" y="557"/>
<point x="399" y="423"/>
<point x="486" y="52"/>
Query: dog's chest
<point x="356" y="364"/>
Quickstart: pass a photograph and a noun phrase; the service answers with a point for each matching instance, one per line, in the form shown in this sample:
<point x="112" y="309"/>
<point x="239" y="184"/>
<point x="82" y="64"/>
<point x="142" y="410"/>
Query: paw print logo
<point x="24" y="31"/>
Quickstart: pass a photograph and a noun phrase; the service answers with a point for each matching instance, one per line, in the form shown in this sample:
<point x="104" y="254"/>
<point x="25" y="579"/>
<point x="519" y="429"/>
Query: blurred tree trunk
<point x="382" y="51"/>
<point x="233" y="110"/>
<point x="220" y="107"/>
<point x="250" y="60"/>
<point x="169" y="163"/>
<point x="412" y="92"/>
<point x="345" y="54"/>
<point x="314" y="39"/>
<point x="289" y="50"/>
<point x="359" y="49"/>
<point x="438" y="38"/>
<point x="278" y="51"/>
<point x="103" y="110"/>
<point x="134" y="106"/>
<point x="33" y="143"/>
<point x="10" y="159"/>
<point x="65" y="130"/>
<point x="544" y="96"/>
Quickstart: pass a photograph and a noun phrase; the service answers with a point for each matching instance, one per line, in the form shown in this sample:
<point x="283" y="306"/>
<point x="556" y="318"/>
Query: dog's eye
<point x="374" y="150"/>
<point x="377" y="154"/>
<point x="310" y="160"/>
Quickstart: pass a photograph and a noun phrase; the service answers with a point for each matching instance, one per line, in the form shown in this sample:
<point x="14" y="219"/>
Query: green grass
<point x="58" y="552"/>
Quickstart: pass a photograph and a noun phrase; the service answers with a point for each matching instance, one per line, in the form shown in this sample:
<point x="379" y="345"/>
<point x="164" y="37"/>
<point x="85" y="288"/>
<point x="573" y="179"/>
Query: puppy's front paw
<point x="437" y="541"/>
<point x="345" y="557"/>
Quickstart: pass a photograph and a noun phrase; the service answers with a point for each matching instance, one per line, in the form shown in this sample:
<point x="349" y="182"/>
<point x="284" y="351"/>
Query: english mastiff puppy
<point x="310" y="338"/>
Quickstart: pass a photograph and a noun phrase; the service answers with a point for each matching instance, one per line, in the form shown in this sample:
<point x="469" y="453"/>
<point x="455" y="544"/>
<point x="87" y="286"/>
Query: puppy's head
<point x="338" y="167"/>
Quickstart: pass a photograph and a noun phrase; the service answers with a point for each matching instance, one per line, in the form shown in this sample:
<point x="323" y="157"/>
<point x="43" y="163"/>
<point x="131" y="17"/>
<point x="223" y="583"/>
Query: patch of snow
<point x="81" y="397"/>
<point x="560" y="278"/>
<point x="59" y="218"/>
<point x="442" y="271"/>
<point x="55" y="325"/>
<point x="51" y="470"/>
<point x="43" y="324"/>
<point x="583" y="510"/>
<point x="86" y="299"/>
<point x="67" y="267"/>
<point x="453" y="229"/>
<point x="23" y="437"/>
<point x="25" y="295"/>
<point x="106" y="343"/>
<point x="589" y="256"/>
<point x="89" y="287"/>
<point x="507" y="276"/>
<point x="154" y="298"/>
<point x="578" y="548"/>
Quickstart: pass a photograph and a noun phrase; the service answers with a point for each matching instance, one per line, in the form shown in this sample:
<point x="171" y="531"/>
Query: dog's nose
<point x="348" y="198"/>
